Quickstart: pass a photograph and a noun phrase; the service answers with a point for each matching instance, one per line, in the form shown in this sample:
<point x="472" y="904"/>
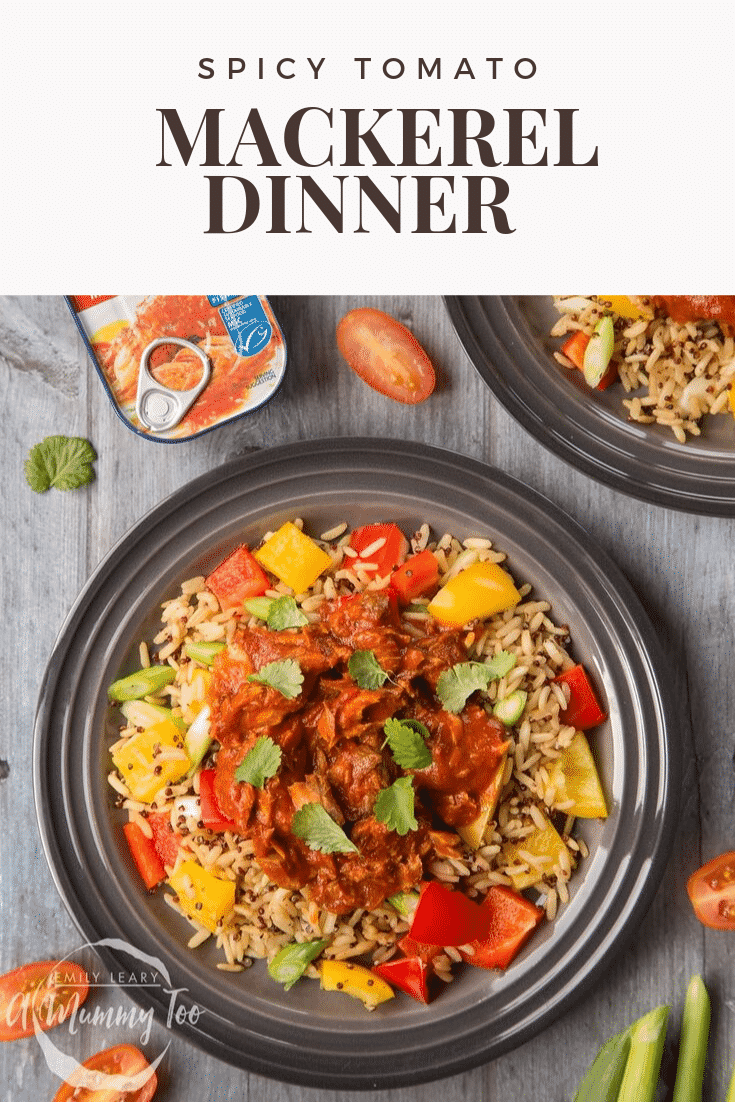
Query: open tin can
<point x="176" y="366"/>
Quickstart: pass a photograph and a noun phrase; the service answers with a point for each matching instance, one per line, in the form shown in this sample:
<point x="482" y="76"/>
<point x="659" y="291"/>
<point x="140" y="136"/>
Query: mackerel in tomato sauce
<point x="333" y="750"/>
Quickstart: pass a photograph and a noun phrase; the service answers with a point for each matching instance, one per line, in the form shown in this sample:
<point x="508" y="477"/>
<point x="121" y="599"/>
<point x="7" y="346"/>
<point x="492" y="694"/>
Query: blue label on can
<point x="218" y="300"/>
<point x="247" y="324"/>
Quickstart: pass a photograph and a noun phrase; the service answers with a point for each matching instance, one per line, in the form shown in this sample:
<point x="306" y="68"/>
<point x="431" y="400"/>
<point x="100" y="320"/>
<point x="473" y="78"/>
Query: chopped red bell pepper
<point x="143" y="851"/>
<point x="410" y="947"/>
<point x="386" y="558"/>
<point x="513" y="920"/>
<point x="418" y="575"/>
<point x="444" y="917"/>
<point x="165" y="840"/>
<point x="583" y="710"/>
<point x="574" y="349"/>
<point x="409" y="974"/>
<point x="237" y="577"/>
<point x="212" y="816"/>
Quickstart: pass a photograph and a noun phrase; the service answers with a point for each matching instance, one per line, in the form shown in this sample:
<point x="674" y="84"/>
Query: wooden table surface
<point x="682" y="567"/>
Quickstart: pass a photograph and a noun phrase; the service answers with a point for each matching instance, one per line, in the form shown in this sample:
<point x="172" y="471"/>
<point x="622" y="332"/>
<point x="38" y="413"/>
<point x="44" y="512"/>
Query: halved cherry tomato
<point x="144" y="853"/>
<point x="711" y="890"/>
<point x="212" y="816"/>
<point x="513" y="919"/>
<point x="583" y="710"/>
<point x="385" y="355"/>
<point x="52" y="989"/>
<point x="409" y="974"/>
<point x="386" y="558"/>
<point x="418" y="576"/>
<point x="444" y="917"/>
<point x="165" y="839"/>
<point x="237" y="577"/>
<point x="124" y="1060"/>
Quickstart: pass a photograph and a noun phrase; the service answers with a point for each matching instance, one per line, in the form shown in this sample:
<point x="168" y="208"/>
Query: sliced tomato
<point x="711" y="890"/>
<point x="513" y="920"/>
<point x="212" y="816"/>
<point x="237" y="577"/>
<point x="165" y="839"/>
<point x="386" y="558"/>
<point x="444" y="917"/>
<point x="583" y="710"/>
<point x="409" y="974"/>
<point x="418" y="576"/>
<point x="124" y="1060"/>
<point x="50" y="989"/>
<point x="144" y="853"/>
<point x="385" y="355"/>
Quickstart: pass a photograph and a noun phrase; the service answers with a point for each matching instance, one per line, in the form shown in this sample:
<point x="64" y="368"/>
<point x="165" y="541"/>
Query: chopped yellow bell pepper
<point x="472" y="833"/>
<point x="355" y="980"/>
<point x="294" y="558"/>
<point x="625" y="307"/>
<point x="545" y="843"/>
<point x="206" y="898"/>
<point x="576" y="778"/>
<point x="151" y="759"/>
<point x="483" y="589"/>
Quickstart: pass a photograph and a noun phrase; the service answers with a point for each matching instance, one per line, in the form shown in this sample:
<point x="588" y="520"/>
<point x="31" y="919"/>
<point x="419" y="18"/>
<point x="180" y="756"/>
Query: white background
<point x="86" y="207"/>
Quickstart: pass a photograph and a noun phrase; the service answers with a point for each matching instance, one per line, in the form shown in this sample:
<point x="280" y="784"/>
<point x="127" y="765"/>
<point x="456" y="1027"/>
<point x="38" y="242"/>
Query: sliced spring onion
<point x="693" y="1043"/>
<point x="142" y="683"/>
<point x="647" y="1037"/>
<point x="290" y="963"/>
<point x="510" y="709"/>
<point x="404" y="903"/>
<point x="203" y="652"/>
<point x="140" y="713"/>
<point x="198" y="739"/>
<point x="602" y="1081"/>
<point x="598" y="353"/>
<point x="258" y="606"/>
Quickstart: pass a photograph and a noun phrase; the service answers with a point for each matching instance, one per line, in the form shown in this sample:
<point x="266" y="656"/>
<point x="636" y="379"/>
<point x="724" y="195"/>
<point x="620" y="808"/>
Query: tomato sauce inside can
<point x="238" y="334"/>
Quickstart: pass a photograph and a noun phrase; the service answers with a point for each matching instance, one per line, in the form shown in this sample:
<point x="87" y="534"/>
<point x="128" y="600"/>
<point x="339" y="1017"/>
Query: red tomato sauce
<point x="686" y="308"/>
<point x="333" y="750"/>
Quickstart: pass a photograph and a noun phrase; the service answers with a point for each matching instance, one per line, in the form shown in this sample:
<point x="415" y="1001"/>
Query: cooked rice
<point x="662" y="360"/>
<point x="266" y="917"/>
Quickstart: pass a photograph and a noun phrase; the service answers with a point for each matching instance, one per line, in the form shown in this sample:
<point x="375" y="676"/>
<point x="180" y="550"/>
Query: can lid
<point x="158" y="407"/>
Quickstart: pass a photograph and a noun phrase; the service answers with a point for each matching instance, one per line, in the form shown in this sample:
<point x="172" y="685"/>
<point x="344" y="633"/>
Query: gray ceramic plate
<point x="507" y="339"/>
<point x="309" y="1036"/>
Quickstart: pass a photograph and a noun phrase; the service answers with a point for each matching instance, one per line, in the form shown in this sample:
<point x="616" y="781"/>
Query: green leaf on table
<point x="61" y="461"/>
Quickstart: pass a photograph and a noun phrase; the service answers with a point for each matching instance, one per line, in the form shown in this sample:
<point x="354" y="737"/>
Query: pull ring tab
<point x="158" y="407"/>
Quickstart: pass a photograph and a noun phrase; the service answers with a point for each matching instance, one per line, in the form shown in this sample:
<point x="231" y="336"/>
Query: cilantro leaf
<point x="261" y="762"/>
<point x="394" y="806"/>
<point x="285" y="613"/>
<point x="406" y="740"/>
<point x="364" y="668"/>
<point x="284" y="675"/>
<point x="61" y="461"/>
<point x="455" y="686"/>
<point x="318" y="829"/>
<point x="290" y="963"/>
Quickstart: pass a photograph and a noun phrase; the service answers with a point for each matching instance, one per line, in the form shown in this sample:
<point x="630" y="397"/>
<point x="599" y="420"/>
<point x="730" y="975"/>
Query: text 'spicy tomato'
<point x="385" y="355"/>
<point x="444" y="917"/>
<point x="49" y="989"/>
<point x="712" y="892"/>
<point x="124" y="1061"/>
